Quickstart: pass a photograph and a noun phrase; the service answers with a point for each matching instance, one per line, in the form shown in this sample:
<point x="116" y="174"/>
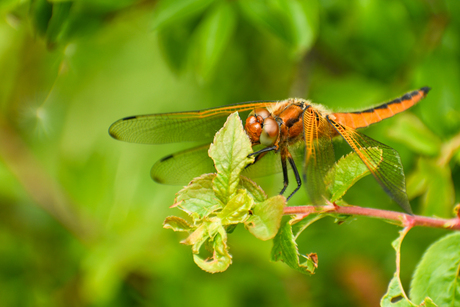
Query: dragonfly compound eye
<point x="262" y="113"/>
<point x="270" y="132"/>
<point x="253" y="128"/>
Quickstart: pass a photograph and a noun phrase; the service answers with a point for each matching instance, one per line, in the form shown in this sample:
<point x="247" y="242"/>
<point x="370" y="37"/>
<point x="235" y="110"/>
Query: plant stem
<point x="399" y="218"/>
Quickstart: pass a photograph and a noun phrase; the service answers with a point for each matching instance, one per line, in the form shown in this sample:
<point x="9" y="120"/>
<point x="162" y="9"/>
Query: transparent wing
<point x="319" y="155"/>
<point x="387" y="169"/>
<point x="178" y="127"/>
<point x="180" y="168"/>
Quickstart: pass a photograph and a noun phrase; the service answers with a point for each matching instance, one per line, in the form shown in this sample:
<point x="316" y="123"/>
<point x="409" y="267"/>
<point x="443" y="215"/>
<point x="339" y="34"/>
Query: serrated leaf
<point x="266" y="218"/>
<point x="285" y="249"/>
<point x="410" y="131"/>
<point x="253" y="189"/>
<point x="206" y="230"/>
<point x="437" y="274"/>
<point x="220" y="259"/>
<point x="198" y="197"/>
<point x="237" y="209"/>
<point x="229" y="150"/>
<point x="347" y="171"/>
<point x="177" y="224"/>
<point x="212" y="37"/>
<point x="168" y="12"/>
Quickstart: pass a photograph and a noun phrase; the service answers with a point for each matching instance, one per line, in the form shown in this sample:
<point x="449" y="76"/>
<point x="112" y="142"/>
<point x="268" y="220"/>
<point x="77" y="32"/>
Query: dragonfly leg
<point x="285" y="174"/>
<point x="296" y="173"/>
<point x="260" y="153"/>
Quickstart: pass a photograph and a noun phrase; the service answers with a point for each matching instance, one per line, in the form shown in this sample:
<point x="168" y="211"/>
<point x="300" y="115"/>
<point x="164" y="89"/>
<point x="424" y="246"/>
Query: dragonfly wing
<point x="386" y="168"/>
<point x="319" y="154"/>
<point x="180" y="168"/>
<point x="177" y="127"/>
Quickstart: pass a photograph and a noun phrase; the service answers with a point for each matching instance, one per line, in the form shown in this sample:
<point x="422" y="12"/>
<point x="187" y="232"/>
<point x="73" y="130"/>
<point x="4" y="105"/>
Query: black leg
<point x="285" y="174"/>
<point x="296" y="173"/>
<point x="260" y="153"/>
<point x="266" y="149"/>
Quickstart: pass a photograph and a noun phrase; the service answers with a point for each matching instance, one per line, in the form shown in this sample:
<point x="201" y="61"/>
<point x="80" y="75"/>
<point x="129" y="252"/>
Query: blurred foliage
<point x="80" y="219"/>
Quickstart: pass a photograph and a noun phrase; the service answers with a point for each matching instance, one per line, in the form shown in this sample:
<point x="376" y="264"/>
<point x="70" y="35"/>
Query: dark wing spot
<point x="129" y="117"/>
<point x="166" y="158"/>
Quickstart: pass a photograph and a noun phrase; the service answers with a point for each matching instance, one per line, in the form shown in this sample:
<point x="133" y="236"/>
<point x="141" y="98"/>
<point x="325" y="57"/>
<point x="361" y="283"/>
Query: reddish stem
<point x="402" y="219"/>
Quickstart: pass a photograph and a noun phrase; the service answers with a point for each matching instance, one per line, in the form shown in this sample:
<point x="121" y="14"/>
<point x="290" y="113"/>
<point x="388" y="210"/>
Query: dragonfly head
<point x="262" y="128"/>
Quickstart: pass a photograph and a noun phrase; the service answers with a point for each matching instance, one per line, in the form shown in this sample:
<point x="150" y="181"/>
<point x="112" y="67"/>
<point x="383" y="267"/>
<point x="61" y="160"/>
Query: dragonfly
<point x="283" y="133"/>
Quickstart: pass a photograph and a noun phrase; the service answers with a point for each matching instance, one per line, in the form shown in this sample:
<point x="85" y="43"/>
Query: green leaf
<point x="437" y="274"/>
<point x="416" y="182"/>
<point x="395" y="295"/>
<point x="294" y="22"/>
<point x="410" y="131"/>
<point x="220" y="259"/>
<point x="212" y="37"/>
<point x="41" y="11"/>
<point x="440" y="194"/>
<point x="169" y="12"/>
<point x="266" y="218"/>
<point x="285" y="248"/>
<point x="253" y="189"/>
<point x="198" y="198"/>
<point x="237" y="209"/>
<point x="177" y="224"/>
<point x="347" y="171"/>
<point x="61" y="11"/>
<point x="229" y="151"/>
<point x="303" y="19"/>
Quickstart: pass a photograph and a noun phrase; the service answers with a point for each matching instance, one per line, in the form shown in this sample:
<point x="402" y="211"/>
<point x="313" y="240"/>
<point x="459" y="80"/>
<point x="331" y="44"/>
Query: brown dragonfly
<point x="281" y="132"/>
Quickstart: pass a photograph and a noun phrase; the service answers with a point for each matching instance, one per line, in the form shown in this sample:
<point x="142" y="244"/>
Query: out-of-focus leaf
<point x="177" y="224"/>
<point x="58" y="19"/>
<point x="439" y="196"/>
<point x="285" y="247"/>
<point x="175" y="43"/>
<point x="294" y="22"/>
<point x="410" y="131"/>
<point x="212" y="37"/>
<point x="266" y="218"/>
<point x="42" y="11"/>
<point x="347" y="171"/>
<point x="303" y="17"/>
<point x="237" y="209"/>
<point x="436" y="276"/>
<point x="230" y="157"/>
<point x="168" y="12"/>
<point x="416" y="182"/>
<point x="197" y="199"/>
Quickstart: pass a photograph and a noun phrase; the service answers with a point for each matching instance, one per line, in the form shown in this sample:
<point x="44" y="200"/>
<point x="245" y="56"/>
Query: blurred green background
<point x="80" y="218"/>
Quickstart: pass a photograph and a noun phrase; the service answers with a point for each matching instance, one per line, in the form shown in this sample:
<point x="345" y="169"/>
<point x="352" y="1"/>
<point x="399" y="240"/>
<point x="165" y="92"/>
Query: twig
<point x="399" y="218"/>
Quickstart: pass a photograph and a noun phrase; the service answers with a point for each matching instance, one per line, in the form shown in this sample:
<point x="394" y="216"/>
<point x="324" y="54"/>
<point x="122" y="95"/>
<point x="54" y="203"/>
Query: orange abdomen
<point x="370" y="116"/>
